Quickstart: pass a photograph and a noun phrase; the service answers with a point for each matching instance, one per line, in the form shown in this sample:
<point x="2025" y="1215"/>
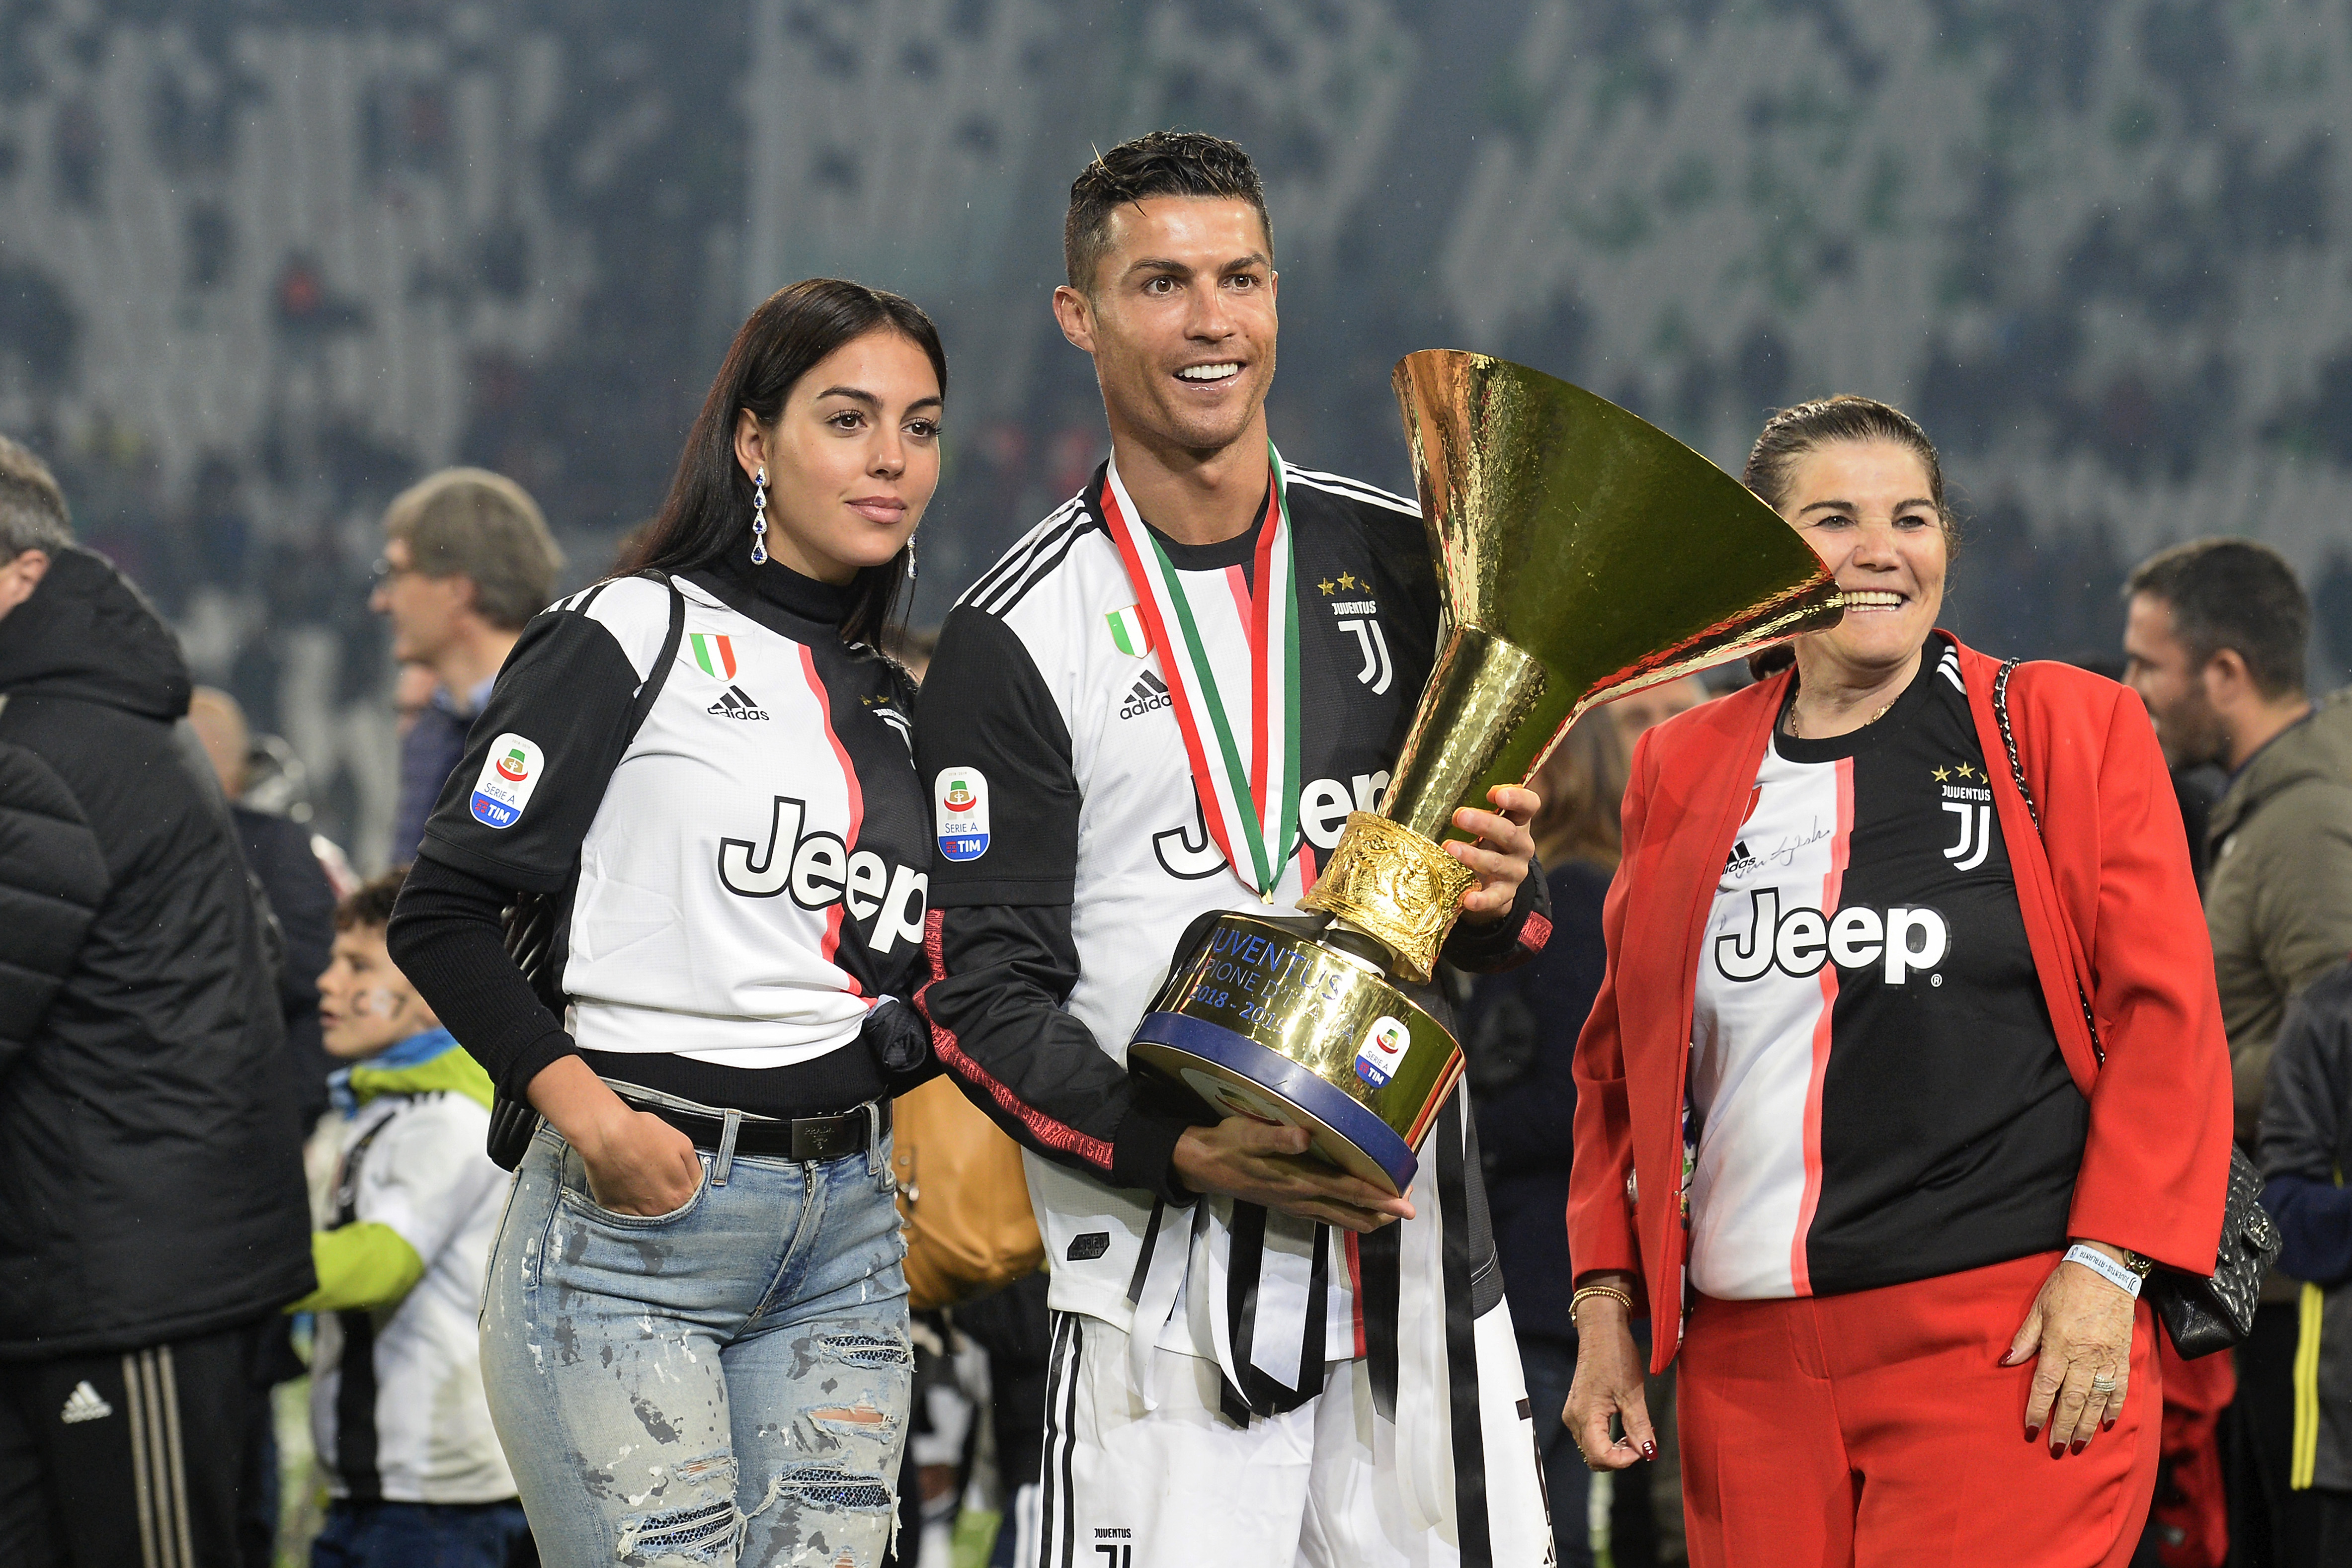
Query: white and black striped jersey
<point x="1071" y="855"/>
<point x="749" y="871"/>
<point x="1876" y="1093"/>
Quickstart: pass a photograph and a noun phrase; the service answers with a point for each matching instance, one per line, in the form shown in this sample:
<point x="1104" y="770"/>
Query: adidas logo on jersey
<point x="85" y="1404"/>
<point x="1148" y="693"/>
<point x="736" y="703"/>
<point x="1741" y="861"/>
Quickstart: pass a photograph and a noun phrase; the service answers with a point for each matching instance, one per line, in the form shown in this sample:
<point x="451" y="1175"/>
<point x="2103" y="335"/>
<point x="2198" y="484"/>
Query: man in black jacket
<point x="2306" y="1147"/>
<point x="153" y="1213"/>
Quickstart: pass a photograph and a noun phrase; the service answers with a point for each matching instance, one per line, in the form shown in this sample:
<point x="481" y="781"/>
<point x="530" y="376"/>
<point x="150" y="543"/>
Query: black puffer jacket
<point x="151" y="1171"/>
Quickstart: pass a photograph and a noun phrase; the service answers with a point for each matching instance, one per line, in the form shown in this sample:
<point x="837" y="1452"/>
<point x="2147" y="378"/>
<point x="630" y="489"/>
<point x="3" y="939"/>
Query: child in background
<point x="396" y="1404"/>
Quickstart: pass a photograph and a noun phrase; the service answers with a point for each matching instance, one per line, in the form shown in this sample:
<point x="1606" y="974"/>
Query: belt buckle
<point x="813" y="1138"/>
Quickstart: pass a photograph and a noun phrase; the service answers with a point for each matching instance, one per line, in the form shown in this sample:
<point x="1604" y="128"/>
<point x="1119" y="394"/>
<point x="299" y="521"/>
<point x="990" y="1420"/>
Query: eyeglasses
<point x="384" y="572"/>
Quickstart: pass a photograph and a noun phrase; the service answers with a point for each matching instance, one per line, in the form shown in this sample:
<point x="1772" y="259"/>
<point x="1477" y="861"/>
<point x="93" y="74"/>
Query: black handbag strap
<point x="658" y="676"/>
<point x="2017" y="772"/>
<point x="2203" y="1314"/>
<point x="531" y="921"/>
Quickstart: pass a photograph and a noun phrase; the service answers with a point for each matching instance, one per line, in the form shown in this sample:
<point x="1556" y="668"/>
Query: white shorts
<point x="1179" y="1486"/>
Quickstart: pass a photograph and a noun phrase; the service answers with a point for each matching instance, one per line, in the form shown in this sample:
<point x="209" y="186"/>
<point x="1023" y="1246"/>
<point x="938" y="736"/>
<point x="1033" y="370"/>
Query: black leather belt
<point x="804" y="1137"/>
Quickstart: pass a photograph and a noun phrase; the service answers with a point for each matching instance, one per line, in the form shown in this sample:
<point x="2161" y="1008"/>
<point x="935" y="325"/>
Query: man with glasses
<point x="468" y="559"/>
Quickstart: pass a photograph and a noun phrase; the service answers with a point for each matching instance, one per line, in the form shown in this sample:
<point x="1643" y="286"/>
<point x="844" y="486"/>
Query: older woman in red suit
<point x="1892" y="1096"/>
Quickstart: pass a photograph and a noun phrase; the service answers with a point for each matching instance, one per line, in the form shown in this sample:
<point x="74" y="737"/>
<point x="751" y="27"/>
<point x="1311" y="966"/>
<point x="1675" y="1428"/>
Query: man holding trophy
<point x="1164" y="704"/>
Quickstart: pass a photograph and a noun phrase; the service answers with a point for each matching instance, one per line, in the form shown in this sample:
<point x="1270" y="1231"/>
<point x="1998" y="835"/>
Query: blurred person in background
<point x="154" y="1217"/>
<point x="2305" y="1148"/>
<point x="1518" y="1041"/>
<point x="397" y="1412"/>
<point x="467" y="561"/>
<point x="1014" y="1329"/>
<point x="280" y="854"/>
<point x="2215" y="642"/>
<point x="1836" y="1131"/>
<point x="1643" y="710"/>
<point x="412" y="693"/>
<point x="693" y="1333"/>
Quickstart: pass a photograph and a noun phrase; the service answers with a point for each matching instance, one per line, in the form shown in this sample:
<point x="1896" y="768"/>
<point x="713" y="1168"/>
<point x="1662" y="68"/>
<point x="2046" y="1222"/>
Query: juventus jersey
<point x="413" y="1162"/>
<point x="752" y="865"/>
<point x="1876" y="1093"/>
<point x="1073" y="856"/>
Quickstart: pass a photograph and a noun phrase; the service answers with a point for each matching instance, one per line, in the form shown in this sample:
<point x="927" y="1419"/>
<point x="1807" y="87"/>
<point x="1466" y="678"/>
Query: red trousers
<point x="1879" y="1429"/>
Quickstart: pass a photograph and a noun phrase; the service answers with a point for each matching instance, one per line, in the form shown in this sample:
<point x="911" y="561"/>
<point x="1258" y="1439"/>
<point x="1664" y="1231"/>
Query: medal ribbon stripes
<point x="1254" y="811"/>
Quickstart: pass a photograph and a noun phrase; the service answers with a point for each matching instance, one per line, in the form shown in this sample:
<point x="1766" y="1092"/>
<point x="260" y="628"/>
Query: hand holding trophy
<point x="1581" y="554"/>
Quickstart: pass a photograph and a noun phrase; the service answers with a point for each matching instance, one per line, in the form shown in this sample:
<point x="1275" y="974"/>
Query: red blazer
<point x="2113" y="900"/>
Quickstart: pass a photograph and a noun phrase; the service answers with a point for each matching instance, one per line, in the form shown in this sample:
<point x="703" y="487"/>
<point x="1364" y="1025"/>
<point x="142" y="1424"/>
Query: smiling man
<point x="1161" y="703"/>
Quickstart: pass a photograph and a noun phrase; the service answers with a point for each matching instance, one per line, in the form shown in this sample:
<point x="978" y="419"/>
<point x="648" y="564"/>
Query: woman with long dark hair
<point x="696" y="775"/>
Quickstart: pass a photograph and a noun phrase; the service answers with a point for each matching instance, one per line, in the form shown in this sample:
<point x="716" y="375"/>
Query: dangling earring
<point x="910" y="559"/>
<point x="760" y="519"/>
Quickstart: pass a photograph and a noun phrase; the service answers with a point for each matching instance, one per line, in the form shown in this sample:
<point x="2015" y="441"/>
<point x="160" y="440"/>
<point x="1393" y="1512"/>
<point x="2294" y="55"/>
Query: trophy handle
<point x="1390" y="879"/>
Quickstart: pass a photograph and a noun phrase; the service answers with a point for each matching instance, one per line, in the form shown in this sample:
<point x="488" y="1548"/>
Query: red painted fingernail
<point x="2032" y="1432"/>
<point x="2078" y="1444"/>
<point x="1650" y="1451"/>
<point x="2108" y="1424"/>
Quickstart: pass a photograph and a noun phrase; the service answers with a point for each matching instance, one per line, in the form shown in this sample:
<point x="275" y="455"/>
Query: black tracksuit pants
<point x="133" y="1459"/>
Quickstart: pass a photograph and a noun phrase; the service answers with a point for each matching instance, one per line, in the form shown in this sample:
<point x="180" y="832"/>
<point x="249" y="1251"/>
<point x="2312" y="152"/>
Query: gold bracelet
<point x="1577" y="1300"/>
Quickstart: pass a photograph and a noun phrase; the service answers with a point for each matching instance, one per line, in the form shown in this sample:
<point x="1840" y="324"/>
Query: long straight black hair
<point x="708" y="511"/>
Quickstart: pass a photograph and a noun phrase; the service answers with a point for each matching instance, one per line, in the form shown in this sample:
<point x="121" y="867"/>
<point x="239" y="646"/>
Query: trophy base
<point x="1258" y="1018"/>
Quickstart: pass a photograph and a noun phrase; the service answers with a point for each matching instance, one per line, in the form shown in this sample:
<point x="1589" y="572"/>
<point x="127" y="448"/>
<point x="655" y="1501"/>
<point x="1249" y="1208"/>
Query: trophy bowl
<point x="1581" y="554"/>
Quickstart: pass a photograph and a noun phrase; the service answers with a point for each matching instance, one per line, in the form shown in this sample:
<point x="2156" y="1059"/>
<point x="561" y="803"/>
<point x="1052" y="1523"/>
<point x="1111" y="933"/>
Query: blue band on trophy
<point x="1286" y="1080"/>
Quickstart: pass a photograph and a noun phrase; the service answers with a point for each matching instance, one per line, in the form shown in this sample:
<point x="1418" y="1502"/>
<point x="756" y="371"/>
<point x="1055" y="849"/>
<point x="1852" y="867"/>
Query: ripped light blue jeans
<point x="725" y="1384"/>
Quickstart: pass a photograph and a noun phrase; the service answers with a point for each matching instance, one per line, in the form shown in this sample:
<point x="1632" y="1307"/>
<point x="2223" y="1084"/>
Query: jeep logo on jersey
<point x="961" y="795"/>
<point x="508" y="776"/>
<point x="819" y="871"/>
<point x="1799" y="942"/>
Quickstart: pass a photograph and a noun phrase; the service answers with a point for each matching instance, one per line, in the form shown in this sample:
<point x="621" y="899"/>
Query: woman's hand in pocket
<point x="636" y="1162"/>
<point x="641" y="1165"/>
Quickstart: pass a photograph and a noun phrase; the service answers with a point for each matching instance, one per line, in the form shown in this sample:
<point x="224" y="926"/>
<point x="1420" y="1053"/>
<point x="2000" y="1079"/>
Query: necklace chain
<point x="1797" y="734"/>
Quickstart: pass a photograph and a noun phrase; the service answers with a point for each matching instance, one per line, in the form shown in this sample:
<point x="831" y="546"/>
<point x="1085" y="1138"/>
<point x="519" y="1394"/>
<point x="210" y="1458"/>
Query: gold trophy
<point x="1581" y="553"/>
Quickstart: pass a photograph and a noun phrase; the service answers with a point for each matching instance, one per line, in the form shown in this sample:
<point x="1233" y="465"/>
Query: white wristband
<point x="2105" y="1268"/>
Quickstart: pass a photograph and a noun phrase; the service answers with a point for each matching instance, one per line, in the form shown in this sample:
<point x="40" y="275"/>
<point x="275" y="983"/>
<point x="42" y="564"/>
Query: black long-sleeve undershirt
<point x="448" y="937"/>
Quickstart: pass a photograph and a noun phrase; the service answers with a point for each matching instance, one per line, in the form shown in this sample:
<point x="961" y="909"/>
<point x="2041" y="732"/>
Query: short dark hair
<point x="369" y="904"/>
<point x="1157" y="164"/>
<point x="708" y="510"/>
<point x="2233" y="594"/>
<point x="483" y="526"/>
<point x="1791" y="433"/>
